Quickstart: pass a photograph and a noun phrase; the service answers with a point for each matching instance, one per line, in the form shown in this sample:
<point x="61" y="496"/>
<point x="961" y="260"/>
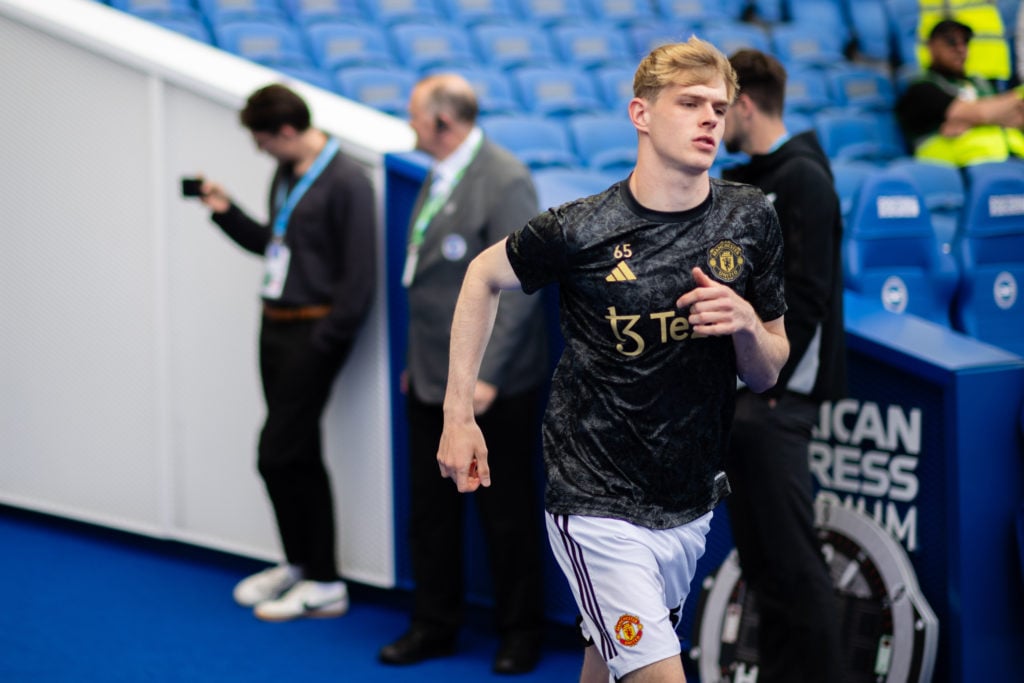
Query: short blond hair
<point x="694" y="62"/>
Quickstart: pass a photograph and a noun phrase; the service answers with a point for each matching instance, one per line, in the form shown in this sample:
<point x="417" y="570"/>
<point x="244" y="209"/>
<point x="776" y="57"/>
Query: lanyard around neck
<point x="435" y="201"/>
<point x="288" y="203"/>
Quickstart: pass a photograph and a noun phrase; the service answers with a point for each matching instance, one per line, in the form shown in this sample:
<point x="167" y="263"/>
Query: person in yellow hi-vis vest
<point x="948" y="116"/>
<point x="990" y="49"/>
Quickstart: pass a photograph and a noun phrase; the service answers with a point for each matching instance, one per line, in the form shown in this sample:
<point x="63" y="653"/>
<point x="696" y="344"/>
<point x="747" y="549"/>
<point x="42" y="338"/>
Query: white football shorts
<point x="629" y="582"/>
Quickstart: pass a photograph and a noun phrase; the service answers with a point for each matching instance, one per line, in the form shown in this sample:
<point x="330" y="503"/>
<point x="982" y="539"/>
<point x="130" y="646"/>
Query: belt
<point x="284" y="313"/>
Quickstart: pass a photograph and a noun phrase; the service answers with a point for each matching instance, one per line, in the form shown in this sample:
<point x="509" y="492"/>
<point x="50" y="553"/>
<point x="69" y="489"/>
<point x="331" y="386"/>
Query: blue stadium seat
<point x="1008" y="10"/>
<point x="193" y="28"/>
<point x="905" y="36"/>
<point x="383" y="88"/>
<point x="310" y="12"/>
<point x="308" y="74"/>
<point x="700" y="11"/>
<point x="942" y="186"/>
<point x="796" y="46"/>
<point x="426" y="46"/>
<point x="494" y="92"/>
<point x="513" y="45"/>
<point x="538" y="141"/>
<point x="848" y="176"/>
<point x="391" y="12"/>
<point x="891" y="252"/>
<point x="770" y="11"/>
<point x="989" y="304"/>
<point x="734" y="36"/>
<point x="218" y="11"/>
<point x="615" y="87"/>
<point x="590" y="45"/>
<point x="272" y="43"/>
<point x="725" y="159"/>
<point x="872" y="28"/>
<point x="797" y="122"/>
<point x="807" y="91"/>
<point x="646" y="37"/>
<point x="157" y="9"/>
<point x="558" y="91"/>
<point x="473" y="12"/>
<point x="604" y="142"/>
<point x="893" y="144"/>
<point x="556" y="186"/>
<point x="624" y="13"/>
<point x="821" y="16"/>
<point x="862" y="88"/>
<point x="552" y="12"/>
<point x="336" y="45"/>
<point x="854" y="135"/>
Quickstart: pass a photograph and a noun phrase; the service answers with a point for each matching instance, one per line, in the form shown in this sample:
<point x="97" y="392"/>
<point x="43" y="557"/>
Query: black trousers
<point x="297" y="382"/>
<point x="508" y="511"/>
<point x="772" y="517"/>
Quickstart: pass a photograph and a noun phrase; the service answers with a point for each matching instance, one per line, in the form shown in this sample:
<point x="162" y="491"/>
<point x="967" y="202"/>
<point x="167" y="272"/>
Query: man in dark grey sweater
<point x="320" y="274"/>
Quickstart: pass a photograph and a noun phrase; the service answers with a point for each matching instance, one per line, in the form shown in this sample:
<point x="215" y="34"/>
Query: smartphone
<point x="191" y="187"/>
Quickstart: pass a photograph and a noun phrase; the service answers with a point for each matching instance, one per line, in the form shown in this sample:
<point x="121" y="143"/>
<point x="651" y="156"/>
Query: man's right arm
<point x="462" y="455"/>
<point x="236" y="224"/>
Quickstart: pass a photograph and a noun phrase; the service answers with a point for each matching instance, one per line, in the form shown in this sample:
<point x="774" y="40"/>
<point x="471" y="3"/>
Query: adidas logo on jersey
<point x="621" y="273"/>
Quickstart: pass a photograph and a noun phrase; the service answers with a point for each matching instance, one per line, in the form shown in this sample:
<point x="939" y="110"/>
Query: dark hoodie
<point x="797" y="179"/>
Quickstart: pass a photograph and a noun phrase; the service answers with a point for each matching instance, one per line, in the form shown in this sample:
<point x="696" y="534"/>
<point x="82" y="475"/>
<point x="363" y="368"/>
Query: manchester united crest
<point x="726" y="260"/>
<point x="629" y="630"/>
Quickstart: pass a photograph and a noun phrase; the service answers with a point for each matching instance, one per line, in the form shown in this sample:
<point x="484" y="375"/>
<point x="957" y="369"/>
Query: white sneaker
<point x="266" y="585"/>
<point x="306" y="599"/>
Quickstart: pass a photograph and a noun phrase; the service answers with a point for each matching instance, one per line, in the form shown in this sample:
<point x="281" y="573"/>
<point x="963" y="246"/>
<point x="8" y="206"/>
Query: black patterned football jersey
<point x="640" y="406"/>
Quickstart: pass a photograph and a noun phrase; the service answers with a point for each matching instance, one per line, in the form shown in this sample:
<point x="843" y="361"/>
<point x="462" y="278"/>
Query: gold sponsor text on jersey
<point x="671" y="327"/>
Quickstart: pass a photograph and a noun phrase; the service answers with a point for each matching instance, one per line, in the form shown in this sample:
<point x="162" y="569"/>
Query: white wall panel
<point x="76" y="312"/>
<point x="129" y="390"/>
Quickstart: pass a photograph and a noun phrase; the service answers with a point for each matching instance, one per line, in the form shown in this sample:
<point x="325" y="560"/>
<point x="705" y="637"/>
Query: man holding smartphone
<point x="319" y="250"/>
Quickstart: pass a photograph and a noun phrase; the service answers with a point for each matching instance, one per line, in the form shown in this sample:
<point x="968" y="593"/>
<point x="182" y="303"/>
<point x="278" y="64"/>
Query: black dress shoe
<point x="518" y="654"/>
<point x="418" y="644"/>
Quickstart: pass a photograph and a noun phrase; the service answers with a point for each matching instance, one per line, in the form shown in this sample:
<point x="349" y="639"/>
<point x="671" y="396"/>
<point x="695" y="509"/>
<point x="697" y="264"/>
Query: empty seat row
<point x="349" y="36"/>
<point x="318" y="52"/>
<point x="842" y="85"/>
<point x="971" y="283"/>
<point x="602" y="142"/>
<point x="606" y="140"/>
<point x="817" y="31"/>
<point x="535" y="90"/>
<point x="462" y="12"/>
<point x="423" y="48"/>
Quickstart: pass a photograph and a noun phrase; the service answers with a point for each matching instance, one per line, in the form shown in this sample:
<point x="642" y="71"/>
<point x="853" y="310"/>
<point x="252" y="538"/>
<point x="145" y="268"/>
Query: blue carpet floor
<point x="87" y="604"/>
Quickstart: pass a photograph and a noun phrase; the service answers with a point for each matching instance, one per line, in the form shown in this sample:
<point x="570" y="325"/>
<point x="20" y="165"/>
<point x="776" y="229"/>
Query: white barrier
<point x="130" y="394"/>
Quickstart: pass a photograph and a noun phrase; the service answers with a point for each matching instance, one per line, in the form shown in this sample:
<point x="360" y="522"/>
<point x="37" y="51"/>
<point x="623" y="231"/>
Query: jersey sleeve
<point x="537" y="251"/>
<point x="767" y="289"/>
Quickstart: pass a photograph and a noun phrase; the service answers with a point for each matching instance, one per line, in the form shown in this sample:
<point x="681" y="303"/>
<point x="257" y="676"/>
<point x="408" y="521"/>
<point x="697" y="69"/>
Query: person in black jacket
<point x="771" y="509"/>
<point x="319" y="250"/>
